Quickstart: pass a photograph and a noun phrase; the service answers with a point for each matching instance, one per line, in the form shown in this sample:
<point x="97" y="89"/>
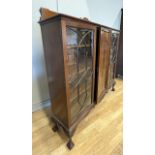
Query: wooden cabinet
<point x="107" y="44"/>
<point x="77" y="77"/>
<point x="70" y="54"/>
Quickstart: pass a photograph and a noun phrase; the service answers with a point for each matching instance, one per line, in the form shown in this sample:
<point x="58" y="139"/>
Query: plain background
<point x="16" y="77"/>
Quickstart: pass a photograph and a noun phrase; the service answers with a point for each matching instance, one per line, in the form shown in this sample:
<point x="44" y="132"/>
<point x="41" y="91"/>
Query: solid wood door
<point x="103" y="62"/>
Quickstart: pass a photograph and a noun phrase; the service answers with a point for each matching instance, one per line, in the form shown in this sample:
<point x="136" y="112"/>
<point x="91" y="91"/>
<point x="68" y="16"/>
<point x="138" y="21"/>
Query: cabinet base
<point x="70" y="131"/>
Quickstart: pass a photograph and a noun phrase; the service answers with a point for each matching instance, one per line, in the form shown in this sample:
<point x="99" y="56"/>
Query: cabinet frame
<point x="53" y="24"/>
<point x="62" y="22"/>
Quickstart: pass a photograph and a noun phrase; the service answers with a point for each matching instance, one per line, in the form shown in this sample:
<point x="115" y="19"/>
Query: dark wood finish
<point x="56" y="50"/>
<point x="119" y="67"/>
<point x="102" y="64"/>
<point x="75" y="78"/>
<point x="106" y="61"/>
<point x="55" y="68"/>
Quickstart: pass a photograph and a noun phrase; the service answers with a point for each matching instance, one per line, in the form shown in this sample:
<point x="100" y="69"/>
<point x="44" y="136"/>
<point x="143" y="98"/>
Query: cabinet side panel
<point x="53" y="51"/>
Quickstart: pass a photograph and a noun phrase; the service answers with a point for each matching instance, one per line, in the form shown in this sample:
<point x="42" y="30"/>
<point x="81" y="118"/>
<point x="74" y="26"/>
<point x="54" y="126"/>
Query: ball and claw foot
<point x="55" y="128"/>
<point x="70" y="144"/>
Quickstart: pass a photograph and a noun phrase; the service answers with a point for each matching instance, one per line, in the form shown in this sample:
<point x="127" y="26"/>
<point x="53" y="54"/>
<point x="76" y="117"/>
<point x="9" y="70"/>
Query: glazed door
<point x="80" y="68"/>
<point x="113" y="58"/>
<point x="103" y="62"/>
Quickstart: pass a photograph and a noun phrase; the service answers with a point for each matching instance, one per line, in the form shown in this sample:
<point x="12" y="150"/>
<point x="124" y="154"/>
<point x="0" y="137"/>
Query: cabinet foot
<point x="70" y="144"/>
<point x="55" y="128"/>
<point x="113" y="86"/>
<point x="113" y="89"/>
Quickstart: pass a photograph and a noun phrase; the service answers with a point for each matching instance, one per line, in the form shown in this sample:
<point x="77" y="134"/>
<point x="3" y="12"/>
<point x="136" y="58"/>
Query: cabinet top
<point x="47" y="15"/>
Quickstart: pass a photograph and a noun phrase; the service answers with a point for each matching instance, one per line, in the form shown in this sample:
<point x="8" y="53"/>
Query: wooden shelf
<point x="89" y="61"/>
<point x="78" y="46"/>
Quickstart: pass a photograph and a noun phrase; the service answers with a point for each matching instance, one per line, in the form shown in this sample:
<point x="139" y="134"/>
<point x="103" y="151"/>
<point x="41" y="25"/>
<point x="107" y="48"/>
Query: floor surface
<point x="100" y="133"/>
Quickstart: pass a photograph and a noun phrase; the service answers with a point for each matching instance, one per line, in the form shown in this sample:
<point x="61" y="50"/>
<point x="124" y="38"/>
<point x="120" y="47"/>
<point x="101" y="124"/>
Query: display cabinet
<point x="80" y="61"/>
<point x="70" y="54"/>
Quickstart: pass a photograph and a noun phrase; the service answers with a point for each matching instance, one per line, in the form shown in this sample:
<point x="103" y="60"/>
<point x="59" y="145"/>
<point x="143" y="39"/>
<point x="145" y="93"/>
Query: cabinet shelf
<point x="80" y="63"/>
<point x="78" y="46"/>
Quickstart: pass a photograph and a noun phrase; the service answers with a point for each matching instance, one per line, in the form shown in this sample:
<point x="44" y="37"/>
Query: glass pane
<point x="80" y="66"/>
<point x="113" y="53"/>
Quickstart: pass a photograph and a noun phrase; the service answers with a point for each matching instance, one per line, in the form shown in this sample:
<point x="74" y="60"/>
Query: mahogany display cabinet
<point x="80" y="61"/>
<point x="70" y="54"/>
